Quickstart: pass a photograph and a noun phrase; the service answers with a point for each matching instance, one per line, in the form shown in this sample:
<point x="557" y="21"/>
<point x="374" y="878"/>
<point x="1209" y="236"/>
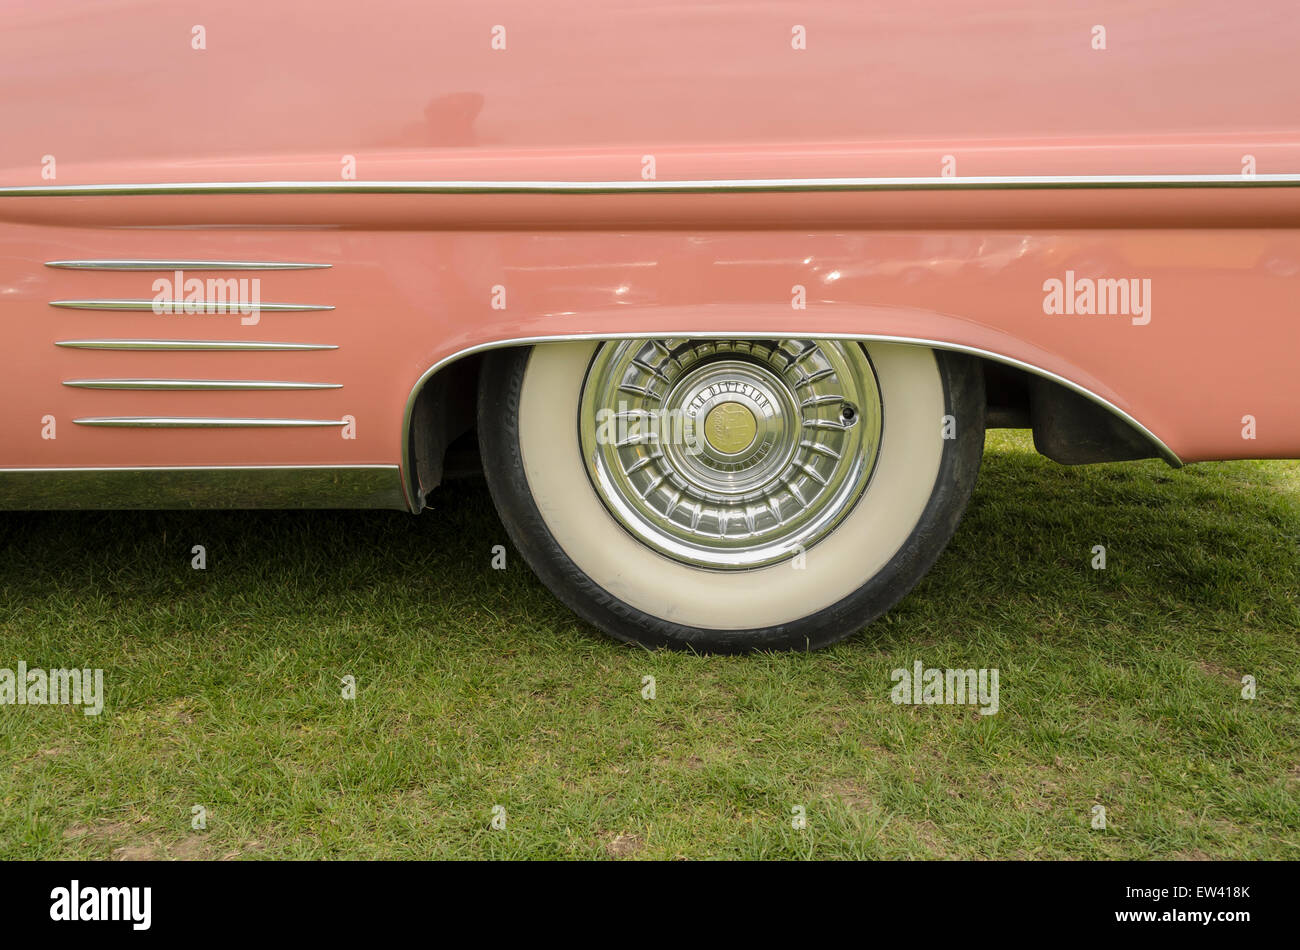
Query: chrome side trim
<point x="201" y="422"/>
<point x="657" y="187"/>
<point x="164" y="265"/>
<point x="232" y="486"/>
<point x="181" y="308"/>
<point x="196" y="384"/>
<point x="408" y="480"/>
<point x="206" y="345"/>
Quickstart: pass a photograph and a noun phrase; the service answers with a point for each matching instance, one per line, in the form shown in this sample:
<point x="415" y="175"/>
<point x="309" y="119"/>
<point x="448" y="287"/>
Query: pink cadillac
<point x="729" y="291"/>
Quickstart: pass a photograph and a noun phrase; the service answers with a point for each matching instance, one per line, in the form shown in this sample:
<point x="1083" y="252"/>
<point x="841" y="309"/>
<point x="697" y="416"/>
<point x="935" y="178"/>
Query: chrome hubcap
<point x="730" y="454"/>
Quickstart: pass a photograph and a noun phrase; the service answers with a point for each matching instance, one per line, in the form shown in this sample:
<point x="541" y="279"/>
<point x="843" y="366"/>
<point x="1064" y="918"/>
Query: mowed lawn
<point x="1119" y="687"/>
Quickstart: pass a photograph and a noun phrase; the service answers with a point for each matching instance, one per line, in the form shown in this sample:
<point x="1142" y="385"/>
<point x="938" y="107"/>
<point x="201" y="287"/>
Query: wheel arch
<point x="1072" y="422"/>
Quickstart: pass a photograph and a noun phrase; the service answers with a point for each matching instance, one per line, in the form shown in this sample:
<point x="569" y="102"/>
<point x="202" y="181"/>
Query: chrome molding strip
<point x="182" y="307"/>
<point x="201" y="422"/>
<point x="163" y="265"/>
<point x="195" y="384"/>
<point x="225" y="486"/>
<point x="658" y="187"/>
<point x="408" y="480"/>
<point x="181" y="345"/>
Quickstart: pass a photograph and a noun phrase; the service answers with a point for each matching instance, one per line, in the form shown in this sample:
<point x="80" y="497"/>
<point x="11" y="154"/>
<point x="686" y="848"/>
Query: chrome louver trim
<point x="166" y="265"/>
<point x="202" y="422"/>
<point x="182" y="307"/>
<point x="180" y="345"/>
<point x="195" y="384"/>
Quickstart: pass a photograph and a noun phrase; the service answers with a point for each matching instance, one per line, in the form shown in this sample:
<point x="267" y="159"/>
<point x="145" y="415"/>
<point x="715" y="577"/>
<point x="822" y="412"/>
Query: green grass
<point x="1119" y="687"/>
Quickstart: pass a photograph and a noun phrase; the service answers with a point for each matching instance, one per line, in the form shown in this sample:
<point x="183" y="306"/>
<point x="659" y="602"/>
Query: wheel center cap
<point x="730" y="427"/>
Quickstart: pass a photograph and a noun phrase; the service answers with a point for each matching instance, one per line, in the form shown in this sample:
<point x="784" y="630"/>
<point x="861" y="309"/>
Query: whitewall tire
<point x="811" y="485"/>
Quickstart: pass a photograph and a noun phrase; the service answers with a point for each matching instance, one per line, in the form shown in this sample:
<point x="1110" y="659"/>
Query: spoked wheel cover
<point x="730" y="454"/>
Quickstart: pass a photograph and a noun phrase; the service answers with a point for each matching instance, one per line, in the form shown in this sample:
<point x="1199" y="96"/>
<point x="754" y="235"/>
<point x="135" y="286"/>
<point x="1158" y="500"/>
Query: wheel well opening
<point x="443" y="442"/>
<point x="1067" y="427"/>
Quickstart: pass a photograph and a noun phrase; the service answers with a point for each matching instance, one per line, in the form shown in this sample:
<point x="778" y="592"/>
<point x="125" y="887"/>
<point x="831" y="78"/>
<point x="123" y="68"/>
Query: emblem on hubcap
<point x="730" y="427"/>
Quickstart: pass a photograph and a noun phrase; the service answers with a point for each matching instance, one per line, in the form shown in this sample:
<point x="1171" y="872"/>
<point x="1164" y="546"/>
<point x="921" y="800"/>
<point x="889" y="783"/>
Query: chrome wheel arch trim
<point x="408" y="480"/>
<point x="665" y="186"/>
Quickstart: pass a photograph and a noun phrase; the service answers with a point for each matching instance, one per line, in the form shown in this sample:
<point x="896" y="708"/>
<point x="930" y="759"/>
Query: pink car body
<point x="465" y="179"/>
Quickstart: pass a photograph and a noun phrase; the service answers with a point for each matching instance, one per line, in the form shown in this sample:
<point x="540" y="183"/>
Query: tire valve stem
<point x="848" y="413"/>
